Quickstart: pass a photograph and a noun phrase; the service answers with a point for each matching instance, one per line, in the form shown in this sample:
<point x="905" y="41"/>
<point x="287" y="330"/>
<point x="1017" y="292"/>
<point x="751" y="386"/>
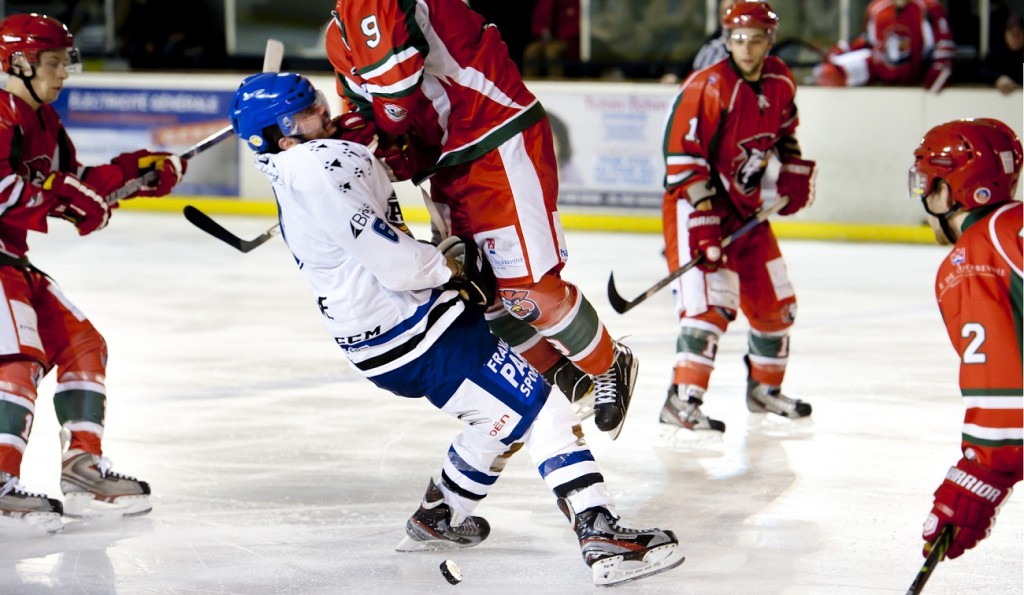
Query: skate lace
<point x="106" y="468"/>
<point x="604" y="387"/>
<point x="14" y="485"/>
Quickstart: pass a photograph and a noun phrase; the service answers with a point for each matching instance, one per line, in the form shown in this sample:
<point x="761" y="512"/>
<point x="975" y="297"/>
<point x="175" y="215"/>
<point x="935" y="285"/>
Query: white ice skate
<point x="93" y="490"/>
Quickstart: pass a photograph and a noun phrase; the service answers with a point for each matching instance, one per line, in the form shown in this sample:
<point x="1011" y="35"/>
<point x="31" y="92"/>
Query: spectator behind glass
<point x="1002" y="67"/>
<point x="556" y="38"/>
<point x="712" y="51"/>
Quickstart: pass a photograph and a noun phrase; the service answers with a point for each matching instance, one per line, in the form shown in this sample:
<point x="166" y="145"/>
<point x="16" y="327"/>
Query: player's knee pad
<point x="522" y="337"/>
<point x="561" y="313"/>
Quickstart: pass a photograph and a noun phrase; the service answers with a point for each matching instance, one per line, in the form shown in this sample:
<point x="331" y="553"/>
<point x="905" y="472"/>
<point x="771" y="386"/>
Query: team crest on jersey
<point x="897" y="46"/>
<point x="982" y="195"/>
<point x="395" y="113"/>
<point x="519" y="305"/>
<point x="958" y="256"/>
<point x="751" y="163"/>
<point x="489" y="246"/>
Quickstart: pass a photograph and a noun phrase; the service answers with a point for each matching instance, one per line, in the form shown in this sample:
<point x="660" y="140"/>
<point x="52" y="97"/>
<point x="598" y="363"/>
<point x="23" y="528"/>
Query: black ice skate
<point x="687" y="414"/>
<point x="613" y="390"/>
<point x="619" y="554"/>
<point x="575" y="384"/>
<point x="23" y="511"/>
<point x="766" y="398"/>
<point x="432" y="528"/>
<point x="93" y="489"/>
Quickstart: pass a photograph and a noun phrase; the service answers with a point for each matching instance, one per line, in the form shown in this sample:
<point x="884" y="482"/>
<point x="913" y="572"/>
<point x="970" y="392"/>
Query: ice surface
<point x="276" y="469"/>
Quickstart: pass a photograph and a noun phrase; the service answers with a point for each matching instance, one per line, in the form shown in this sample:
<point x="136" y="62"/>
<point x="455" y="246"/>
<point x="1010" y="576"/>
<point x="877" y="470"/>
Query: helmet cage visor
<point x="27" y="63"/>
<point x="307" y="120"/>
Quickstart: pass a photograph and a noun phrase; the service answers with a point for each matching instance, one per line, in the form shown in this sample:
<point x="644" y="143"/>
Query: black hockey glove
<point x="476" y="283"/>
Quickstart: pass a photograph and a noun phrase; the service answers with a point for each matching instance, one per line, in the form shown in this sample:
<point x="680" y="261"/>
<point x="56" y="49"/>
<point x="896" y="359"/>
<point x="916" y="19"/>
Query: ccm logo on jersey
<point x="353" y="339"/>
<point x="394" y="112"/>
<point x="974" y="485"/>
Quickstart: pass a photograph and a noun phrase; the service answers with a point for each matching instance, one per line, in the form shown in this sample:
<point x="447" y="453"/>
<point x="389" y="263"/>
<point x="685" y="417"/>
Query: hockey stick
<point x="939" y="549"/>
<point x="272" y="59"/>
<point x="621" y="305"/>
<point x="205" y="223"/>
<point x="273" y="56"/>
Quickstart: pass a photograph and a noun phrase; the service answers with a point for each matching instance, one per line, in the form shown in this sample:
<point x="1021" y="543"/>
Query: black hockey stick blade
<point x="938" y="552"/>
<point x="205" y="223"/>
<point x="622" y="305"/>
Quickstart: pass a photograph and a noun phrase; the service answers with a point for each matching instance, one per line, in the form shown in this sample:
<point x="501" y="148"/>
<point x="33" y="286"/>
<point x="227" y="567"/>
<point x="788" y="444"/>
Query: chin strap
<point x="943" y="218"/>
<point x="28" y="82"/>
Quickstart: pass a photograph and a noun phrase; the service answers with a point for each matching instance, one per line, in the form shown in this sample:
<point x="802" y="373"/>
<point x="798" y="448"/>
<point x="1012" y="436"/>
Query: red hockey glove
<point x="169" y="168"/>
<point x="399" y="155"/>
<point x="968" y="499"/>
<point x="705" y="231"/>
<point x="355" y="127"/>
<point x="796" y="180"/>
<point x="77" y="202"/>
<point x="937" y="77"/>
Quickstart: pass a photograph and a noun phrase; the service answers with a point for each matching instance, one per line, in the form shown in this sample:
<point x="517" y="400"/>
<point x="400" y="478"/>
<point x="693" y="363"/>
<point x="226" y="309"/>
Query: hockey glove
<point x="169" y="168"/>
<point x="356" y="128"/>
<point x="705" y="234"/>
<point x="968" y="499"/>
<point x="475" y="282"/>
<point x="77" y="202"/>
<point x="398" y="155"/>
<point x="796" y="180"/>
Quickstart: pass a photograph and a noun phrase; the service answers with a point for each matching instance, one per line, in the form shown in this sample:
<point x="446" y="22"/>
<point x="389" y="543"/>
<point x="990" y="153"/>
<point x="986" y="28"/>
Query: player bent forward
<point x="393" y="305"/>
<point x="966" y="173"/>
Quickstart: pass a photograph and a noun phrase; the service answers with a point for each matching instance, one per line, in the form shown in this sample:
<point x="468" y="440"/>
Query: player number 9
<point x="371" y="30"/>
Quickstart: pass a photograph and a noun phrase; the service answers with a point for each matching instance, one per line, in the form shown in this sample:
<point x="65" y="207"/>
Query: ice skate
<point x="762" y="398"/>
<point x="433" y="528"/>
<point x="92" y="489"/>
<point x="23" y="511"/>
<point x="613" y="391"/>
<point x="687" y="413"/>
<point x="619" y="554"/>
<point x="575" y="384"/>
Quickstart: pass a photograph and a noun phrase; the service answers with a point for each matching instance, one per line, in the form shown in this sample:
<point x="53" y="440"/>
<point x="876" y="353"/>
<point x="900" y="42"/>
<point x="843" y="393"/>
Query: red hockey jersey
<point x="33" y="143"/>
<point x="721" y="129"/>
<point x="903" y="40"/>
<point x="979" y="293"/>
<point x="432" y="68"/>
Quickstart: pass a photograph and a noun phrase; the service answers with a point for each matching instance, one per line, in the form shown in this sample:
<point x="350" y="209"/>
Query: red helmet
<point x="979" y="159"/>
<point x="753" y="14"/>
<point x="29" y="34"/>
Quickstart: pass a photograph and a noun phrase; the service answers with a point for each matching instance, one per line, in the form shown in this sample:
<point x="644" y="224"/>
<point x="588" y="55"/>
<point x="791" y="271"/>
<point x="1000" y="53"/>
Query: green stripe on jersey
<point x="991" y="392"/>
<point x="491" y="141"/>
<point x="513" y="331"/>
<point x="992" y="443"/>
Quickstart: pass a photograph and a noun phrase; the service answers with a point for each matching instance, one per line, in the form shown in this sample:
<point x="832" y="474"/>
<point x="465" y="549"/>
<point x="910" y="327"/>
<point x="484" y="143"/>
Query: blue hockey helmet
<point x="269" y="99"/>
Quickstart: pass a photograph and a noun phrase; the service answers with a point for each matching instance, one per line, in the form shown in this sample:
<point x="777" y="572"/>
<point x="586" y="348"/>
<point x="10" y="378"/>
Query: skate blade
<point x="34" y="524"/>
<point x="83" y="505"/>
<point x="616" y="570"/>
<point x="584" y="408"/>
<point x="433" y="545"/>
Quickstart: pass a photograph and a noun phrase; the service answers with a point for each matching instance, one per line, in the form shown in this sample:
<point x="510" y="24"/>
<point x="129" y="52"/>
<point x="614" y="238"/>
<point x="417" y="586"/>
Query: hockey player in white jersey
<point x="409" y="317"/>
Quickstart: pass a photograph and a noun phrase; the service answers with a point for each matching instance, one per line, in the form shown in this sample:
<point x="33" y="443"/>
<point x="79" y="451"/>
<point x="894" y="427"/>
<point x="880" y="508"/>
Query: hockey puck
<point x="451" y="572"/>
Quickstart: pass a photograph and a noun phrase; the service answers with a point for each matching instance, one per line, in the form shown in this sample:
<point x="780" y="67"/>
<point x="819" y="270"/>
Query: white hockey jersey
<point x="373" y="282"/>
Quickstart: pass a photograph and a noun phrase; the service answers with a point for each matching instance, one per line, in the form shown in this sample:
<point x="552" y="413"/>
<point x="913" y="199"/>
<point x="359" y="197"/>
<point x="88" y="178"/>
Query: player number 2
<point x="371" y="30"/>
<point x="976" y="332"/>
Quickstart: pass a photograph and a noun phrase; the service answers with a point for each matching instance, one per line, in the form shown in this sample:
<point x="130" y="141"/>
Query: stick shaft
<point x="621" y="305"/>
